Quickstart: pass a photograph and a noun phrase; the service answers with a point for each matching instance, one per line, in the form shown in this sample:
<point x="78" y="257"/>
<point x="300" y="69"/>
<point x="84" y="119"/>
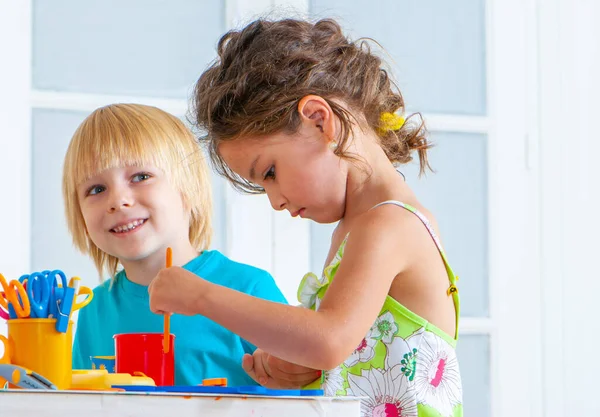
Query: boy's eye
<point x="142" y="176"/>
<point x="270" y="174"/>
<point x="96" y="189"/>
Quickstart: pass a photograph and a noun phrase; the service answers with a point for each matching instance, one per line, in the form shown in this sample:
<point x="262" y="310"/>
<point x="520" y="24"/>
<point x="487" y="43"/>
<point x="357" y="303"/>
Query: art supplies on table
<point x="38" y="346"/>
<point x="14" y="299"/>
<point x="35" y="344"/>
<point x="43" y="294"/>
<point x="101" y="379"/>
<point x="143" y="352"/>
<point x="242" y="390"/>
<point x="103" y="362"/>
<point x="23" y="378"/>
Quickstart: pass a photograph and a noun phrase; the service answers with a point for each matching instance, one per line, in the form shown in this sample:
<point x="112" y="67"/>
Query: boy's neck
<point x="144" y="270"/>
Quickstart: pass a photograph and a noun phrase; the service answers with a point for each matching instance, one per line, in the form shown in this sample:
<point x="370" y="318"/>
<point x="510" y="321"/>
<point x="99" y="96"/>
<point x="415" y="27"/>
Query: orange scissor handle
<point x="12" y="292"/>
<point x="4" y="299"/>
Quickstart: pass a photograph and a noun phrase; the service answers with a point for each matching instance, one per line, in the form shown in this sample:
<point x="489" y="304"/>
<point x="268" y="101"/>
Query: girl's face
<point x="133" y="213"/>
<point x="299" y="172"/>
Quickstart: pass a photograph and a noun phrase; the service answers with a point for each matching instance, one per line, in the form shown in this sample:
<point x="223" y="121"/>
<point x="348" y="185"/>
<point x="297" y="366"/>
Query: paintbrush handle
<point x="167" y="322"/>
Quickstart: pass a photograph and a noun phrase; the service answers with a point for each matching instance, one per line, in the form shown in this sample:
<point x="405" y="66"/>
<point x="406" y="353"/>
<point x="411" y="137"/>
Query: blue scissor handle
<point x="38" y="291"/>
<point x="44" y="294"/>
<point x="57" y="294"/>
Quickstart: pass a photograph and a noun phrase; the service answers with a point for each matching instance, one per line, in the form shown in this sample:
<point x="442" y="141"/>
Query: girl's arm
<point x="375" y="253"/>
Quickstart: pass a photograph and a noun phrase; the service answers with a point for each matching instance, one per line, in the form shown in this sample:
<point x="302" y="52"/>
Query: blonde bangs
<point x="126" y="135"/>
<point x="136" y="135"/>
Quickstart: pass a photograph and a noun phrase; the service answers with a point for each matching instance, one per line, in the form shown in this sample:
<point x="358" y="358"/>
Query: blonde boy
<point x="134" y="183"/>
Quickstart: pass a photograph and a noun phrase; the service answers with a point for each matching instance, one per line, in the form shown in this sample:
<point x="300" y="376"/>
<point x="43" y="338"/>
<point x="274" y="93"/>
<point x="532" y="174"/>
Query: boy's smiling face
<point x="133" y="212"/>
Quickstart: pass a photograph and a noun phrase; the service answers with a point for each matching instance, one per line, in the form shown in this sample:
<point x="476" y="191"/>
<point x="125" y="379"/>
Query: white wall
<point x="570" y="198"/>
<point x="15" y="139"/>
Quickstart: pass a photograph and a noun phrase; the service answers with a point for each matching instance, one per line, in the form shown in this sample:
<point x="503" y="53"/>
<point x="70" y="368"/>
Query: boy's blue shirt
<point x="203" y="348"/>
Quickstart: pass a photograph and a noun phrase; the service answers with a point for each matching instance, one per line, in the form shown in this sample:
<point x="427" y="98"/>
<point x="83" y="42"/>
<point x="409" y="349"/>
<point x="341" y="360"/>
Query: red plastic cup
<point x="143" y="352"/>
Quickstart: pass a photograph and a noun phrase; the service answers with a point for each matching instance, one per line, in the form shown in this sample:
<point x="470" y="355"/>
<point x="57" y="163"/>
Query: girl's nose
<point x="278" y="202"/>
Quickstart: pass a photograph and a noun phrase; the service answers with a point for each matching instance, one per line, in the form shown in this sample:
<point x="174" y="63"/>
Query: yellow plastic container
<point x="35" y="344"/>
<point x="101" y="379"/>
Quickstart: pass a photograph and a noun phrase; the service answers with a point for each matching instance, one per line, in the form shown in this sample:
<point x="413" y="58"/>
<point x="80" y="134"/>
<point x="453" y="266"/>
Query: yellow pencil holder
<point x="36" y="345"/>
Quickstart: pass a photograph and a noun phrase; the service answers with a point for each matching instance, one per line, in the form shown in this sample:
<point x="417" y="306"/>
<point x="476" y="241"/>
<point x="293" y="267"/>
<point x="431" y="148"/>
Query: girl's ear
<point x="316" y="113"/>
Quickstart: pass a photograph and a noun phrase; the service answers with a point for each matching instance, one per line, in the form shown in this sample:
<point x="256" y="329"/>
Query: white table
<point x="32" y="403"/>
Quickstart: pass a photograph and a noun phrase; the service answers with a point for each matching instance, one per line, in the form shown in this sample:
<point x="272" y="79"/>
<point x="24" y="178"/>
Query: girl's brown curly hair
<point x="265" y="69"/>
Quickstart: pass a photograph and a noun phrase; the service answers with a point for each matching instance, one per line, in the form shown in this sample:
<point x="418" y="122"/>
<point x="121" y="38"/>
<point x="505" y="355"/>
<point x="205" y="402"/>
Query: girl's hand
<point x="176" y="290"/>
<point x="272" y="372"/>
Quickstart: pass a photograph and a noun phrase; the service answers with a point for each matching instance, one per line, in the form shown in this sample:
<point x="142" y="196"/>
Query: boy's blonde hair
<point x="121" y="135"/>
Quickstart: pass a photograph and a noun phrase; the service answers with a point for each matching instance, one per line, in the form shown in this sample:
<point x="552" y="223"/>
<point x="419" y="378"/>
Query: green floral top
<point x="404" y="366"/>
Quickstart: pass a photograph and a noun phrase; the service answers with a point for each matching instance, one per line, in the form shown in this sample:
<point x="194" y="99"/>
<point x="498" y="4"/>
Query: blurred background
<point x="508" y="89"/>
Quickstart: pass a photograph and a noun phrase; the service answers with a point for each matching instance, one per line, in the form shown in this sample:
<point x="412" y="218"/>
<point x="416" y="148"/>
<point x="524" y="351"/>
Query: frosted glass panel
<point x="474" y="359"/>
<point x="135" y="47"/>
<point x="219" y="221"/>
<point x="457" y="196"/>
<point x="218" y="185"/>
<point x="438" y="47"/>
<point x="51" y="243"/>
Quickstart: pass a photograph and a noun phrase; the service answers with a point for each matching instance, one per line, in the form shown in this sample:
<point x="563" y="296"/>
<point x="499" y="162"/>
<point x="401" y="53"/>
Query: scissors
<point x="65" y="299"/>
<point x="79" y="290"/>
<point x="11" y="310"/>
<point x="14" y="298"/>
<point x="41" y="289"/>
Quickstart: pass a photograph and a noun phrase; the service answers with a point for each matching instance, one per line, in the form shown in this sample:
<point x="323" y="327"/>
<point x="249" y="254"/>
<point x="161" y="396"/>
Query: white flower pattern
<point x="364" y="352"/>
<point x="333" y="382"/>
<point x="385" y="328"/>
<point x="431" y="363"/>
<point x="388" y="393"/>
<point x="307" y="292"/>
<point x="437" y="379"/>
<point x="403" y="352"/>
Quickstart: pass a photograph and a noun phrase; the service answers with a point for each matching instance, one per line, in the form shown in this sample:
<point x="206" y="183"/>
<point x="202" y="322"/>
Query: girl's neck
<point x="374" y="181"/>
<point x="143" y="271"/>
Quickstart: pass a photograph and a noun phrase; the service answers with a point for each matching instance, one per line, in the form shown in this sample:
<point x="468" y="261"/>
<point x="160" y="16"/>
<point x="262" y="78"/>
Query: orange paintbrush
<point x="167" y="326"/>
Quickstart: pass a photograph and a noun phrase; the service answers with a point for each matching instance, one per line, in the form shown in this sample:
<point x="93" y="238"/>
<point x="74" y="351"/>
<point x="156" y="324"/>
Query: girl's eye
<point x="270" y="174"/>
<point x="142" y="176"/>
<point x="96" y="189"/>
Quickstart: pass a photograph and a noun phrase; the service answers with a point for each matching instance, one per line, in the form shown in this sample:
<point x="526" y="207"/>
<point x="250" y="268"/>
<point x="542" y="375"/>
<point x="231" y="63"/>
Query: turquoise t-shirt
<point x="203" y="348"/>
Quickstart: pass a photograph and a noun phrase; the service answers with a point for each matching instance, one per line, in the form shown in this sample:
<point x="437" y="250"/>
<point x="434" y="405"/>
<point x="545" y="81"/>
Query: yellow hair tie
<point x="390" y="122"/>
